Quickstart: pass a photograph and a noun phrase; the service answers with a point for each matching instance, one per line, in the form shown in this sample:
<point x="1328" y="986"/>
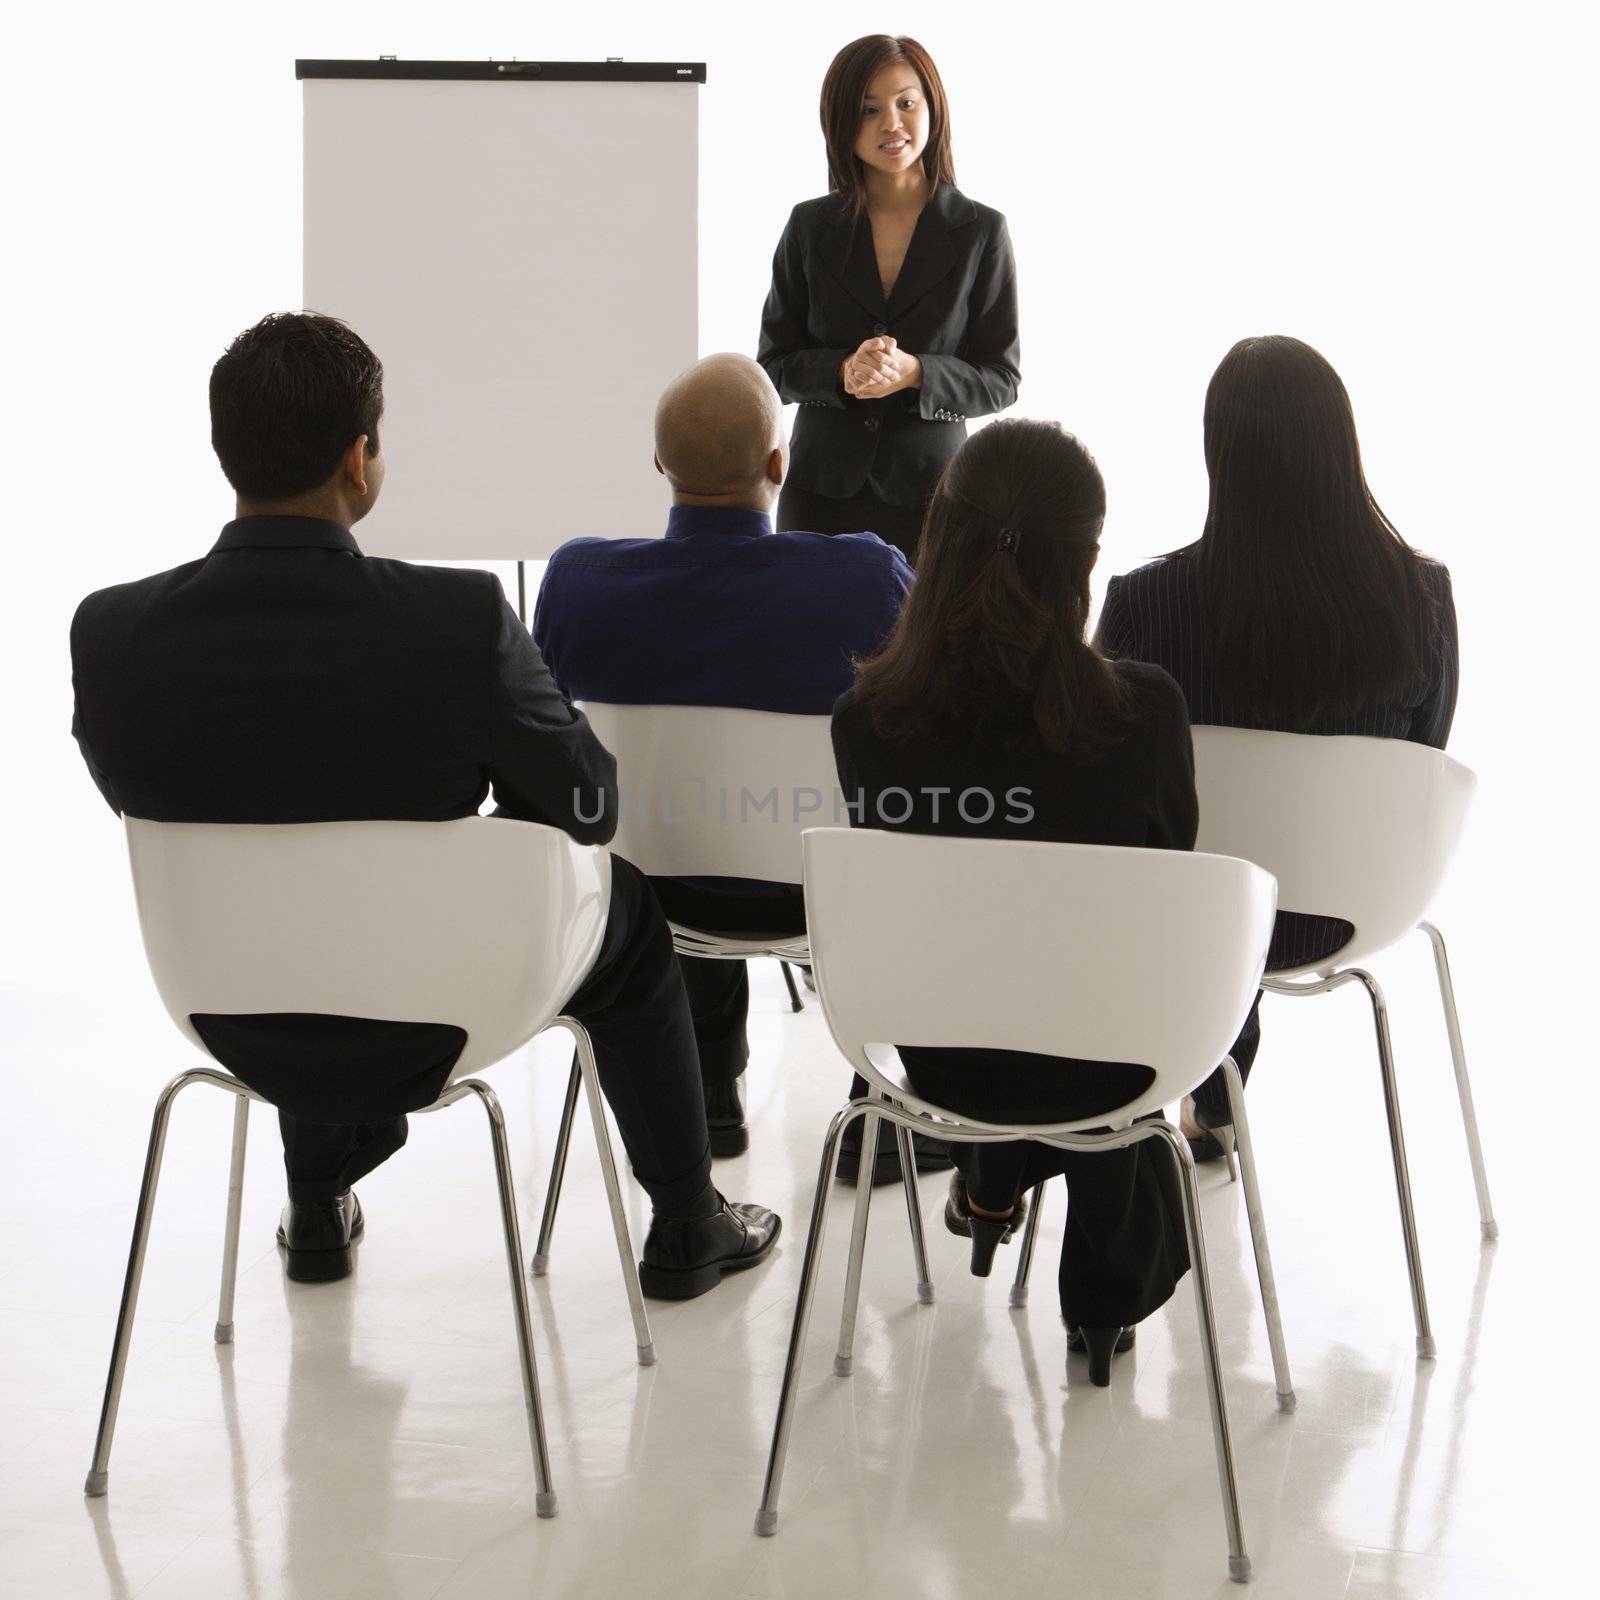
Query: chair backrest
<point x="1357" y="828"/>
<point x="484" y="923"/>
<point x="716" y="791"/>
<point x="1091" y="951"/>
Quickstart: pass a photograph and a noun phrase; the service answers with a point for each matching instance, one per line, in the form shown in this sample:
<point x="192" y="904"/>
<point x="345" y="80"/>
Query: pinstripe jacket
<point x="1154" y="614"/>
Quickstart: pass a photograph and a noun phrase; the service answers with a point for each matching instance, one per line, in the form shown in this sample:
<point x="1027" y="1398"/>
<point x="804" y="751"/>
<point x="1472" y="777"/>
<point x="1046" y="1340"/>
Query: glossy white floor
<point x="366" y="1439"/>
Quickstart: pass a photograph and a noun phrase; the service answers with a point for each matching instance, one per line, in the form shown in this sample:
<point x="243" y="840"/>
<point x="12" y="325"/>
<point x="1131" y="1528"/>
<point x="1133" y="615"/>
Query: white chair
<point x="1362" y="829"/>
<point x="712" y="792"/>
<point x="1108" y="954"/>
<point x="484" y="923"/>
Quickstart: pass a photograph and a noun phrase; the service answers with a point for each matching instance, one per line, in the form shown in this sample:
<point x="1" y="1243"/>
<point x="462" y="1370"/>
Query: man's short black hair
<point x="288" y="398"/>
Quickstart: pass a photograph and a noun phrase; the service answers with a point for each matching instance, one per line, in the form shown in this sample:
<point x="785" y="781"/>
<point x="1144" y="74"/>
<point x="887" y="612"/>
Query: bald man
<point x="722" y="611"/>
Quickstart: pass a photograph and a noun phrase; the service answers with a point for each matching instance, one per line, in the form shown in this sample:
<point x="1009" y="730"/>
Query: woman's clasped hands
<point x="878" y="368"/>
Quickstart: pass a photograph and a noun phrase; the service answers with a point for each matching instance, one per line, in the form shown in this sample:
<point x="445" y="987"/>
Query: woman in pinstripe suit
<point x="1300" y="608"/>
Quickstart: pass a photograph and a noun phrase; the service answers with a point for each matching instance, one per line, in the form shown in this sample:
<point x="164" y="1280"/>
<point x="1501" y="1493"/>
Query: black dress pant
<point x="1297" y="941"/>
<point x="801" y="511"/>
<point x="1124" y="1249"/>
<point x="719" y="991"/>
<point x="637" y="1015"/>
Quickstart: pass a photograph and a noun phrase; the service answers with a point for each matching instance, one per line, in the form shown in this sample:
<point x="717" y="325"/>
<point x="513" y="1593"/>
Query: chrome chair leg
<point x="100" y="1468"/>
<point x="1238" y="1559"/>
<point x="544" y="1496"/>
<point x="643" y="1342"/>
<point x="1258" y="1236"/>
<point x="1030" y="1235"/>
<point x="1458" y="1056"/>
<point x="845" y="1357"/>
<point x="767" y="1514"/>
<point x="558" y="1171"/>
<point x="795" y="1002"/>
<point x="223" y="1333"/>
<point x="919" y="1244"/>
<point x="1426" y="1349"/>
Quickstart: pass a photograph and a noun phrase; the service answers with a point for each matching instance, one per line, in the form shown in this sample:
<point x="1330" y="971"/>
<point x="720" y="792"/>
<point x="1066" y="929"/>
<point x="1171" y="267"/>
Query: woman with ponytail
<point x="988" y="687"/>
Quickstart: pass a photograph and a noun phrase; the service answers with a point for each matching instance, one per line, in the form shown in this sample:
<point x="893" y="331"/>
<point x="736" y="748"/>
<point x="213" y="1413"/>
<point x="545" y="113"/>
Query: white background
<point x="1406" y="186"/>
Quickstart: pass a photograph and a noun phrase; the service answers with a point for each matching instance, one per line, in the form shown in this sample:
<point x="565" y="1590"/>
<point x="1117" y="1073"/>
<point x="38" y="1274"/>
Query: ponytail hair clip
<point x="1010" y="538"/>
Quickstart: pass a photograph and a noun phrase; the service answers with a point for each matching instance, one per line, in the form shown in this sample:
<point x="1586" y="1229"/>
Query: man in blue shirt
<point x="722" y="611"/>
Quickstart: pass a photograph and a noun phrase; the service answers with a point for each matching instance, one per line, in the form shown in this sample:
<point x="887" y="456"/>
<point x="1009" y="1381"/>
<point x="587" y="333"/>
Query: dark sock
<point x="705" y="1204"/>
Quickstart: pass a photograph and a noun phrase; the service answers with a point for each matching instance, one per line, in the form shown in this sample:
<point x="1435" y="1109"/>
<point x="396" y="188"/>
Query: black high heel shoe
<point x="1101" y="1344"/>
<point x="987" y="1233"/>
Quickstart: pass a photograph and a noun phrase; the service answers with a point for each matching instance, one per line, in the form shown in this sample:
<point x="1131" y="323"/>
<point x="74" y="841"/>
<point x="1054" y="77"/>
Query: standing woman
<point x="892" y="316"/>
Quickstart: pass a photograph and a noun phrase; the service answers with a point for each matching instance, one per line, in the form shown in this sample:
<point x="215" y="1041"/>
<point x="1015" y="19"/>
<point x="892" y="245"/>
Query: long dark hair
<point x="1314" y="603"/>
<point x="845" y="88"/>
<point x="991" y="638"/>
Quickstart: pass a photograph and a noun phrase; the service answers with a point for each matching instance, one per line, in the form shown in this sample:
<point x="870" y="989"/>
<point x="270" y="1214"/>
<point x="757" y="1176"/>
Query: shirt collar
<point x="286" y="533"/>
<point x="738" y="522"/>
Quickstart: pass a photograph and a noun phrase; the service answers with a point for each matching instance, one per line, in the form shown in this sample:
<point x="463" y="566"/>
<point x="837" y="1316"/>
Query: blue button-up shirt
<point x="721" y="612"/>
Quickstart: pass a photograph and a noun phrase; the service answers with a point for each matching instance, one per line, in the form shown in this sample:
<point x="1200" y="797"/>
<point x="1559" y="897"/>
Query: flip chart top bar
<point x="512" y="71"/>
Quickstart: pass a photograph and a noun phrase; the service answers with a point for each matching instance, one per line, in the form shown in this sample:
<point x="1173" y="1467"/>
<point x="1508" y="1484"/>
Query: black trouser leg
<point x="1124" y="1249"/>
<point x="637" y="1015"/>
<point x="1212" y="1095"/>
<point x="719" y="991"/>
<point x="323" y="1160"/>
<point x="802" y="511"/>
<point x="719" y="1003"/>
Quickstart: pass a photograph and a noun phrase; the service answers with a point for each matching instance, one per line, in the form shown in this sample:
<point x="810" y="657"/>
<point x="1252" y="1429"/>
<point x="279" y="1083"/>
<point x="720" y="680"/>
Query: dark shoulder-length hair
<point x="844" y="91"/>
<point x="991" y="638"/>
<point x="1314" y="604"/>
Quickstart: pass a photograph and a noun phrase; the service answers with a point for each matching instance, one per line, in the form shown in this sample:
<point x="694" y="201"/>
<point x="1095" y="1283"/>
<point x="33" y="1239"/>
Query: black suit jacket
<point x="288" y="678"/>
<point x="954" y="306"/>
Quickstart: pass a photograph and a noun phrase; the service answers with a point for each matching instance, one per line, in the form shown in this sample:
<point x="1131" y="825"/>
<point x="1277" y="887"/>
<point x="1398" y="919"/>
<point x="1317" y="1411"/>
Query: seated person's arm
<point x="80" y="730"/>
<point x="81" y="735"/>
<point x="545" y="762"/>
<point x="1430" y="723"/>
<point x="1111" y="637"/>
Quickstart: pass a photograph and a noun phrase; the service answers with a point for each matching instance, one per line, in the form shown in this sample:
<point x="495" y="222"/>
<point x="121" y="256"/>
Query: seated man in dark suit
<point x="722" y="611"/>
<point x="285" y="677"/>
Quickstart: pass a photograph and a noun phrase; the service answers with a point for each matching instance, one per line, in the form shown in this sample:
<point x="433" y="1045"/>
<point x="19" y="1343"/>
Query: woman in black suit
<point x="987" y="684"/>
<point x="892" y="316"/>
<point x="1300" y="608"/>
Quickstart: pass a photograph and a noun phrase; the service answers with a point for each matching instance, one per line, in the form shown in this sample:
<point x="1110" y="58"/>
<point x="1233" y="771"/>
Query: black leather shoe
<point x="725" y="1118"/>
<point x="932" y="1155"/>
<point x="318" y="1234"/>
<point x="685" y="1259"/>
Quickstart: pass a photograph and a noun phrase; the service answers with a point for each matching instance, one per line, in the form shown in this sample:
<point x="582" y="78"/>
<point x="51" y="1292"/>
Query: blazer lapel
<point x="848" y="253"/>
<point x="932" y="253"/>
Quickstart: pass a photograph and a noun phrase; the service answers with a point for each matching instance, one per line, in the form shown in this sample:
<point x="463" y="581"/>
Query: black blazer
<point x="1155" y="614"/>
<point x="954" y="306"/>
<point x="287" y="678"/>
<point x="1141" y="792"/>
